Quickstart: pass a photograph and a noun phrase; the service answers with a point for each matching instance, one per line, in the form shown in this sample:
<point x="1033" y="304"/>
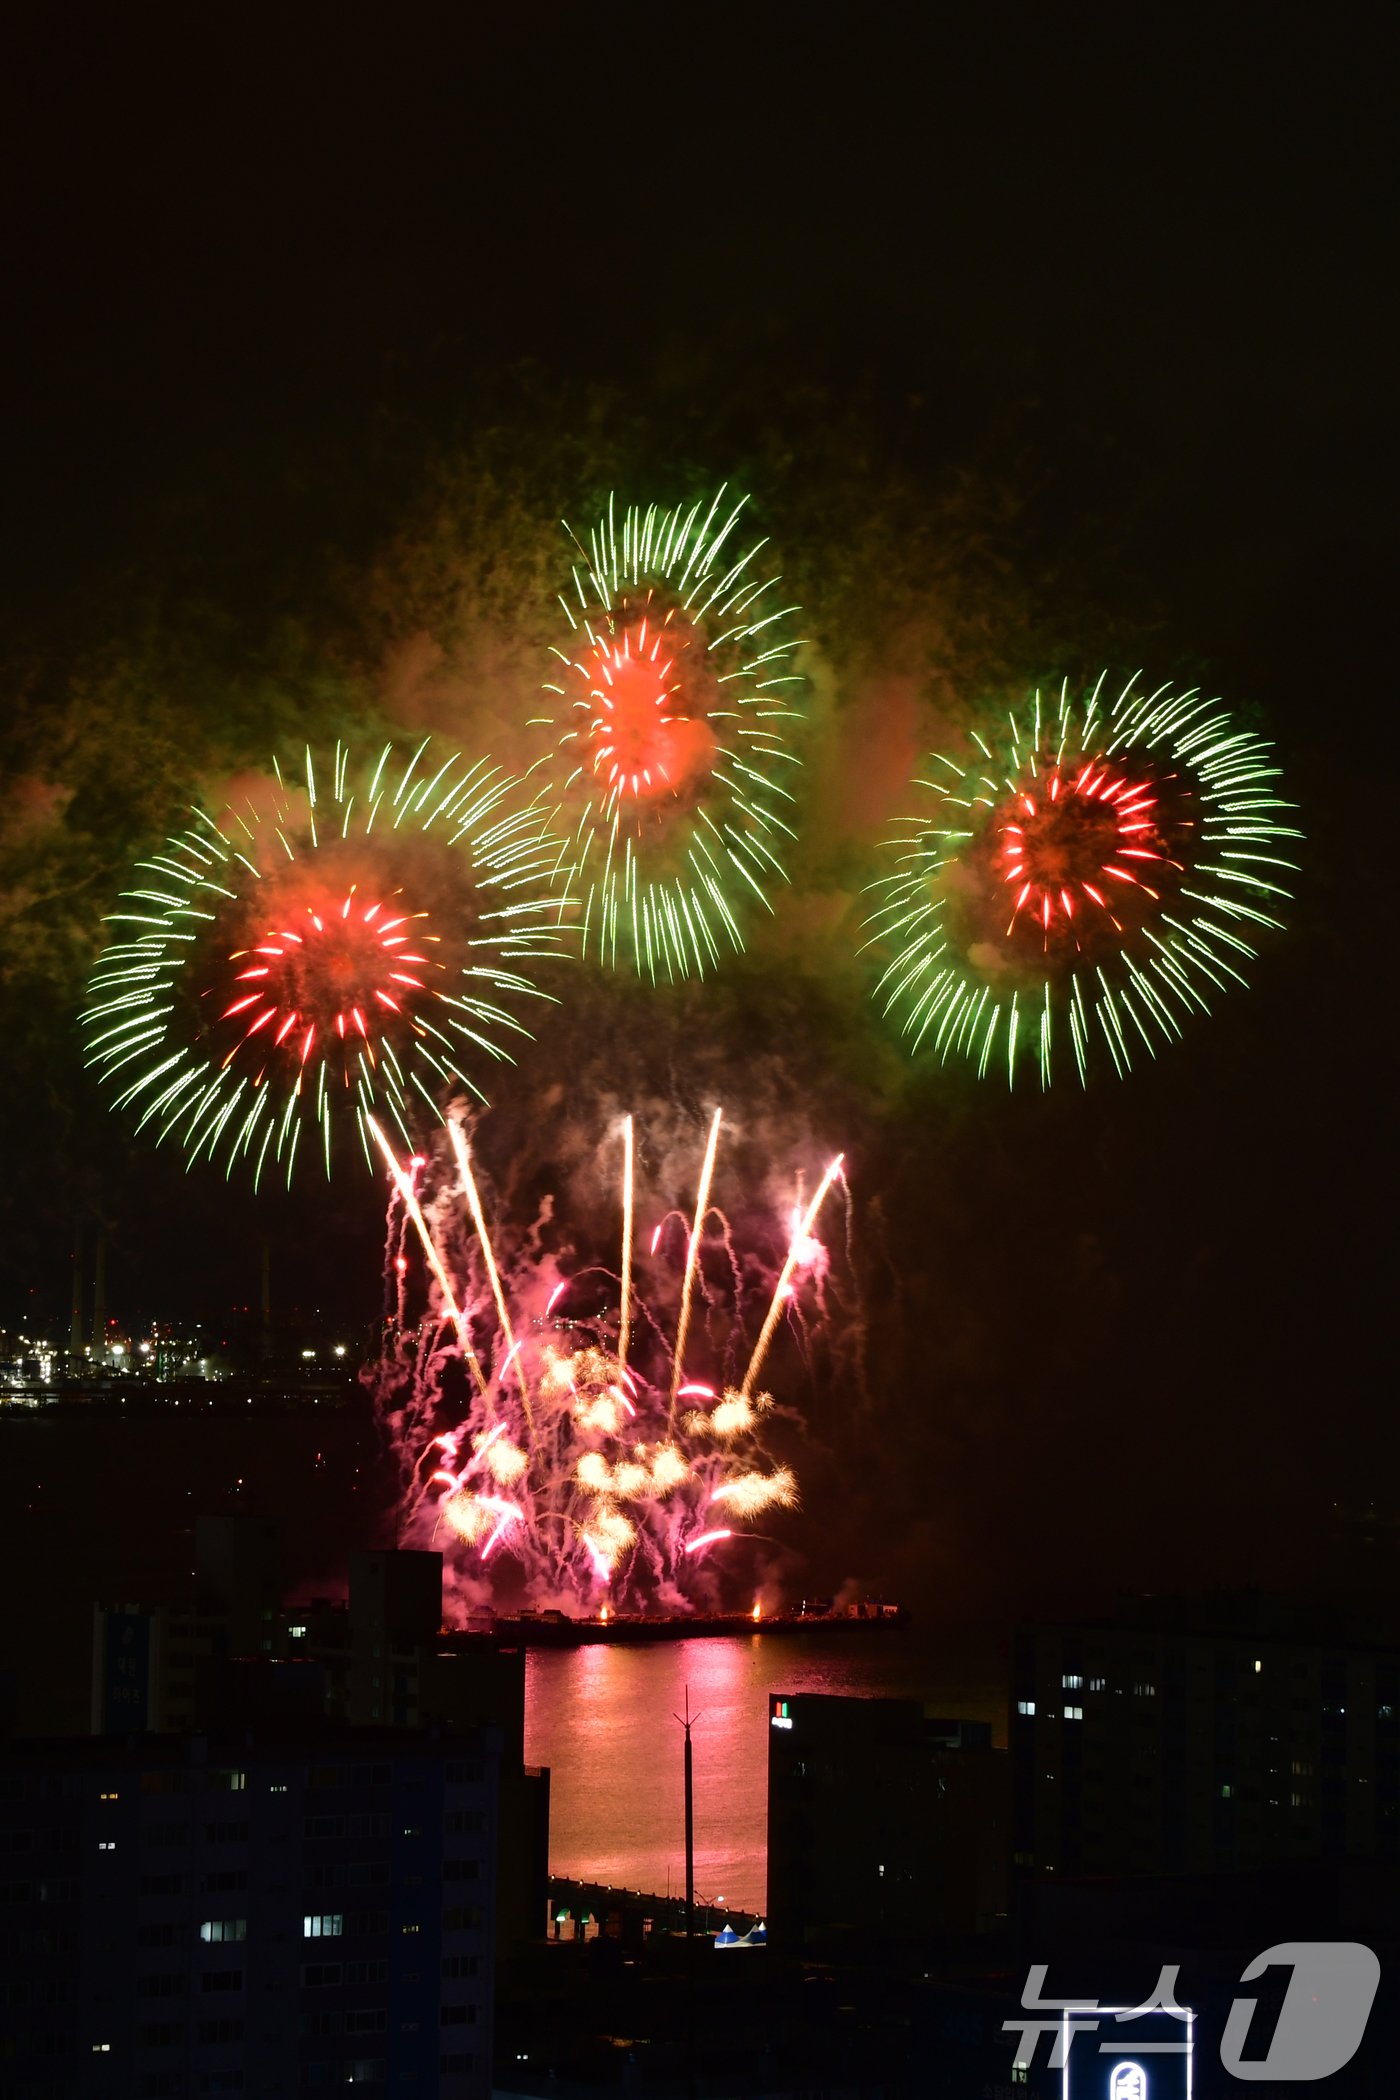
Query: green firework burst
<point x="324" y="952"/>
<point x="673" y="717"/>
<point x="1089" y="872"/>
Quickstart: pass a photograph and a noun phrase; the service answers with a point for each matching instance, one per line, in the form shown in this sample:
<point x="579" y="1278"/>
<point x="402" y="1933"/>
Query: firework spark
<point x="672" y="715"/>
<point x="692" y="1253"/>
<point x="1088" y="870"/>
<point x="799" y="1251"/>
<point x="570" y="1463"/>
<point x="351" y="948"/>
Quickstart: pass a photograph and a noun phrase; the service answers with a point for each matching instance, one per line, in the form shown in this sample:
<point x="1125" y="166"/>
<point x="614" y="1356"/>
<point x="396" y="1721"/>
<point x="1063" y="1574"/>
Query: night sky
<point x="1046" y="339"/>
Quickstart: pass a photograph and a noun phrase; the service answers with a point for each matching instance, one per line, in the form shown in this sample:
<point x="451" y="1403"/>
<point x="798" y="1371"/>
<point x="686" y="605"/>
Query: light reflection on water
<point x="602" y="1718"/>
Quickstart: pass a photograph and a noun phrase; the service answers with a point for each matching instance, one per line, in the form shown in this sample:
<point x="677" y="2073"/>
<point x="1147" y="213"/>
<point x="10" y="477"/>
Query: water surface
<point x="603" y="1719"/>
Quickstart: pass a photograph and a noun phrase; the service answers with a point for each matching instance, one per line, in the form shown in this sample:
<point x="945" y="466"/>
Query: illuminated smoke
<point x="582" y="1473"/>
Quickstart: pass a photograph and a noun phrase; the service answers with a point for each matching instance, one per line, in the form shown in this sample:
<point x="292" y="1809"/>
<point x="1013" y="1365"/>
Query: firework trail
<point x="590" y="1477"/>
<point x="692" y="1256"/>
<point x="354" y="947"/>
<point x="1090" y="870"/>
<point x="624" y="1316"/>
<point x="671" y="718"/>
<point x="798" y="1252"/>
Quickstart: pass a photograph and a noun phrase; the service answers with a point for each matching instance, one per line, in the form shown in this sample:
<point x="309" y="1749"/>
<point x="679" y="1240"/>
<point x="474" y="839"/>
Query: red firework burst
<point x="326" y="974"/>
<point x="1063" y="839"/>
<point x="642" y="744"/>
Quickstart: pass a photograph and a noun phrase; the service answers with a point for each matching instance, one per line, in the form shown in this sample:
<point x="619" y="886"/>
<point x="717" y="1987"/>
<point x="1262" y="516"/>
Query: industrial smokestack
<point x="75" y="1328"/>
<point x="99" y="1295"/>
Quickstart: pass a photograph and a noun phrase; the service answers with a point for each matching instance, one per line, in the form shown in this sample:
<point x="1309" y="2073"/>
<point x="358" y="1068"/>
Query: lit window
<point x="328" y="1927"/>
<point x="1258" y="1664"/>
<point x="117" y="1797"/>
<point x="236" y="1782"/>
<point x="1074" y="1713"/>
<point x="218" y="1932"/>
<point x="102" y="2048"/>
<point x="1144" y="1690"/>
<point x="1025" y="1706"/>
<point x="297" y="1633"/>
<point x="1226" y="1792"/>
<point x="107" y="1845"/>
<point x="1098" y="1684"/>
<point x="1072" y="1683"/>
<point x="278" y="1789"/>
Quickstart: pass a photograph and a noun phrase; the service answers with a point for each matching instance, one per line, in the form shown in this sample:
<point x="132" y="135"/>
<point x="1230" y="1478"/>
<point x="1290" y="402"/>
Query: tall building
<point x="1201" y="1742"/>
<point x="150" y="1663"/>
<point x="388" y="1662"/>
<point x="383" y="1662"/>
<point x="260" y="1914"/>
<point x="882" y="1823"/>
<point x="238" y="1575"/>
<point x="395" y="1612"/>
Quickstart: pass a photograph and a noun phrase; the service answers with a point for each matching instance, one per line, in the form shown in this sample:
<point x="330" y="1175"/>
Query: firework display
<point x="320" y="953"/>
<point x="1091" y="872"/>
<point x="672" y="712"/>
<point x="585" y="1450"/>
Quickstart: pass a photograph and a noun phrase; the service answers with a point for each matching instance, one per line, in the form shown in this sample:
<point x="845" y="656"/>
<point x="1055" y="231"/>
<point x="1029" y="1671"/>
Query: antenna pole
<point x="687" y="1721"/>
